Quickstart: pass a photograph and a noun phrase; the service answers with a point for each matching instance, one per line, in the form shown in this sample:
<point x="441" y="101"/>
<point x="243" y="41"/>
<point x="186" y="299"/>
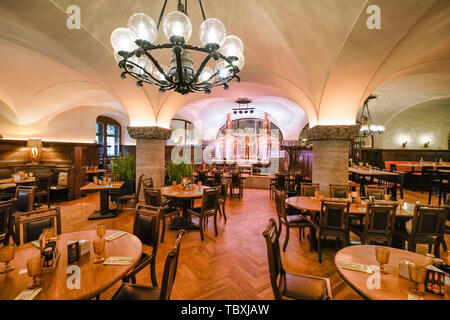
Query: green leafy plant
<point x="125" y="166"/>
<point x="176" y="171"/>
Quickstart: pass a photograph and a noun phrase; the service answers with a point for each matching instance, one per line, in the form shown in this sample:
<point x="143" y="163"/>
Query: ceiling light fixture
<point x="135" y="48"/>
<point x="241" y="109"/>
<point x="367" y="128"/>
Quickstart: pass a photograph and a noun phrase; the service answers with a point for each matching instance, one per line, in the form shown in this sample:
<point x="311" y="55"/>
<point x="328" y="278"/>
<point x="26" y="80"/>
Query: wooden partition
<point x="53" y="155"/>
<point x="377" y="157"/>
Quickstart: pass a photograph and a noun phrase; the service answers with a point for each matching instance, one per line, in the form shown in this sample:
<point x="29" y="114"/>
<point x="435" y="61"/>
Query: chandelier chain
<point x="162" y="14"/>
<point x="203" y="11"/>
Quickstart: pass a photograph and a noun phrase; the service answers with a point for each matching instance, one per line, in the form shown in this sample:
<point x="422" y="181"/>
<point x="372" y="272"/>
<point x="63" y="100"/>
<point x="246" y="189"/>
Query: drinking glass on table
<point x="99" y="248"/>
<point x="382" y="255"/>
<point x="101" y="230"/>
<point x="417" y="274"/>
<point x="34" y="268"/>
<point x="7" y="254"/>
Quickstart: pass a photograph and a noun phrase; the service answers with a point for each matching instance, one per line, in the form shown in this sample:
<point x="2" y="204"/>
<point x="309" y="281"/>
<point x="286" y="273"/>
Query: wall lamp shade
<point x="34" y="143"/>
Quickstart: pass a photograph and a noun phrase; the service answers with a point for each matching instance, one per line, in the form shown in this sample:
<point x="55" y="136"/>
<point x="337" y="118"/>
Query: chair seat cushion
<point x="40" y="194"/>
<point x="136" y="292"/>
<point x="125" y="197"/>
<point x="305" y="287"/>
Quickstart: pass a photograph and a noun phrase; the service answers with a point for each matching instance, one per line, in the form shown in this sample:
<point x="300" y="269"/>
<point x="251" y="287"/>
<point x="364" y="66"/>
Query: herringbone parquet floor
<point x="230" y="266"/>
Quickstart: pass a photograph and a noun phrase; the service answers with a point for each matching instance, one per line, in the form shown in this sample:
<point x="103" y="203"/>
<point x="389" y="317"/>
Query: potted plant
<point x="125" y="166"/>
<point x="176" y="171"/>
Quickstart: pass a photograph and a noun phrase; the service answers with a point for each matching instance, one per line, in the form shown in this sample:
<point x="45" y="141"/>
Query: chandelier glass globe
<point x="123" y="39"/>
<point x="212" y="31"/>
<point x="177" y="24"/>
<point x="158" y="75"/>
<point x="232" y="46"/>
<point x="206" y="74"/>
<point x="143" y="27"/>
<point x="240" y="62"/>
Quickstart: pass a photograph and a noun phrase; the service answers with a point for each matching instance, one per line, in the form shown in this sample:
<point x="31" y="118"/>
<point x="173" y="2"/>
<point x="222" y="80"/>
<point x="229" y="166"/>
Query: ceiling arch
<point x="318" y="54"/>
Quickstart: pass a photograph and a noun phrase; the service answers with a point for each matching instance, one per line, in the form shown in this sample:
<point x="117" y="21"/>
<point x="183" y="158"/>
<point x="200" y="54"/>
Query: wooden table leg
<point x="104" y="212"/>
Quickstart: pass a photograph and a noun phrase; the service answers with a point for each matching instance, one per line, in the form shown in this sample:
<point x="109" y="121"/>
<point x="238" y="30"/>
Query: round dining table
<point x="185" y="200"/>
<point x="391" y="285"/>
<point x="94" y="278"/>
<point x="313" y="205"/>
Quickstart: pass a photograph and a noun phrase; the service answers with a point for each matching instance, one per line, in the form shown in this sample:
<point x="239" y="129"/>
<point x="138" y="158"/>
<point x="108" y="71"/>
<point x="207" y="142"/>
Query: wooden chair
<point x="201" y="177"/>
<point x="339" y="191"/>
<point x="447" y="222"/>
<point x="146" y="228"/>
<point x="428" y="227"/>
<point x="147" y="183"/>
<point x="333" y="221"/>
<point x="289" y="221"/>
<point x="28" y="226"/>
<point x="209" y="208"/>
<point x="223" y="198"/>
<point x="154" y="201"/>
<point x="6" y="220"/>
<point x="43" y="189"/>
<point x="138" y="292"/>
<point x="377" y="193"/>
<point x="378" y="226"/>
<point x="308" y="189"/>
<point x="25" y="198"/>
<point x="287" y="285"/>
<point x="125" y="195"/>
<point x="236" y="183"/>
<point x="217" y="178"/>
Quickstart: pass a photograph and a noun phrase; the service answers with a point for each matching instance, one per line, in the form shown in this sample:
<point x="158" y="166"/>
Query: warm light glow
<point x="51" y="140"/>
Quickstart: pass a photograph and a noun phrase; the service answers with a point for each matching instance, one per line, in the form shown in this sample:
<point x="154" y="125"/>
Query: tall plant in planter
<point x="175" y="171"/>
<point x="125" y="166"/>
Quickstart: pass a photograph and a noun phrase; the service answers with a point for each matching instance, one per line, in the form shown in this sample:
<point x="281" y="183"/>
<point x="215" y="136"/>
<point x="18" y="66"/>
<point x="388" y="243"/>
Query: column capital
<point x="154" y="132"/>
<point x="348" y="132"/>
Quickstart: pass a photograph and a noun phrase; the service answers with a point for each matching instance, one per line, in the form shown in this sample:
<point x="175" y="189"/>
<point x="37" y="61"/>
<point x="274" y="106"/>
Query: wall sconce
<point x="404" y="143"/>
<point x="35" y="145"/>
<point x="427" y="144"/>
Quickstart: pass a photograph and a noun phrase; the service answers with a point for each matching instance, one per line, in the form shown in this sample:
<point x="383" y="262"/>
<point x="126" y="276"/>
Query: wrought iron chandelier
<point x="240" y="109"/>
<point x="367" y="128"/>
<point x="134" y="48"/>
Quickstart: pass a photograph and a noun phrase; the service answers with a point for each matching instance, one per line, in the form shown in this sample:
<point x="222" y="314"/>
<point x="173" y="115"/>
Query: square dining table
<point x="104" y="189"/>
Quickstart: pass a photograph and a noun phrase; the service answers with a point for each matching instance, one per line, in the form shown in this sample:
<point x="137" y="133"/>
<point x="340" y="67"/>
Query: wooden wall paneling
<point x="377" y="157"/>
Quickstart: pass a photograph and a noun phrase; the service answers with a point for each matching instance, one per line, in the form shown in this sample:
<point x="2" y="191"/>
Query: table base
<point x="182" y="223"/>
<point x="99" y="215"/>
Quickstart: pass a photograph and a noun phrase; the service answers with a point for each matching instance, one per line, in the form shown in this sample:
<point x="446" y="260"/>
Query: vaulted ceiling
<point x="317" y="54"/>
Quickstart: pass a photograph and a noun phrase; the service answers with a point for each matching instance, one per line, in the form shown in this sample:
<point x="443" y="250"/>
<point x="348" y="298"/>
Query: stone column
<point x="150" y="152"/>
<point x="331" y="154"/>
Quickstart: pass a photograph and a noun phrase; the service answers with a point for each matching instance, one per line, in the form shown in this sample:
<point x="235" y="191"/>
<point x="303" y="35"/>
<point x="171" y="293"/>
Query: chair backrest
<point x="210" y="200"/>
<point x="113" y="176"/>
<point x="280" y="205"/>
<point x="170" y="268"/>
<point x="334" y="215"/>
<point x="201" y="176"/>
<point x="428" y="221"/>
<point x="139" y="186"/>
<point x="29" y="225"/>
<point x="280" y="181"/>
<point x="276" y="269"/>
<point x="339" y="191"/>
<point x="308" y="189"/>
<point x="146" y="226"/>
<point x="376" y="192"/>
<point x="152" y="197"/>
<point x="224" y="188"/>
<point x="380" y="220"/>
<point x="147" y="182"/>
<point x="25" y="198"/>
<point x="236" y="178"/>
<point x="6" y="212"/>
<point x="393" y="167"/>
<point x="217" y="177"/>
<point x="188" y="178"/>
<point x="42" y="183"/>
